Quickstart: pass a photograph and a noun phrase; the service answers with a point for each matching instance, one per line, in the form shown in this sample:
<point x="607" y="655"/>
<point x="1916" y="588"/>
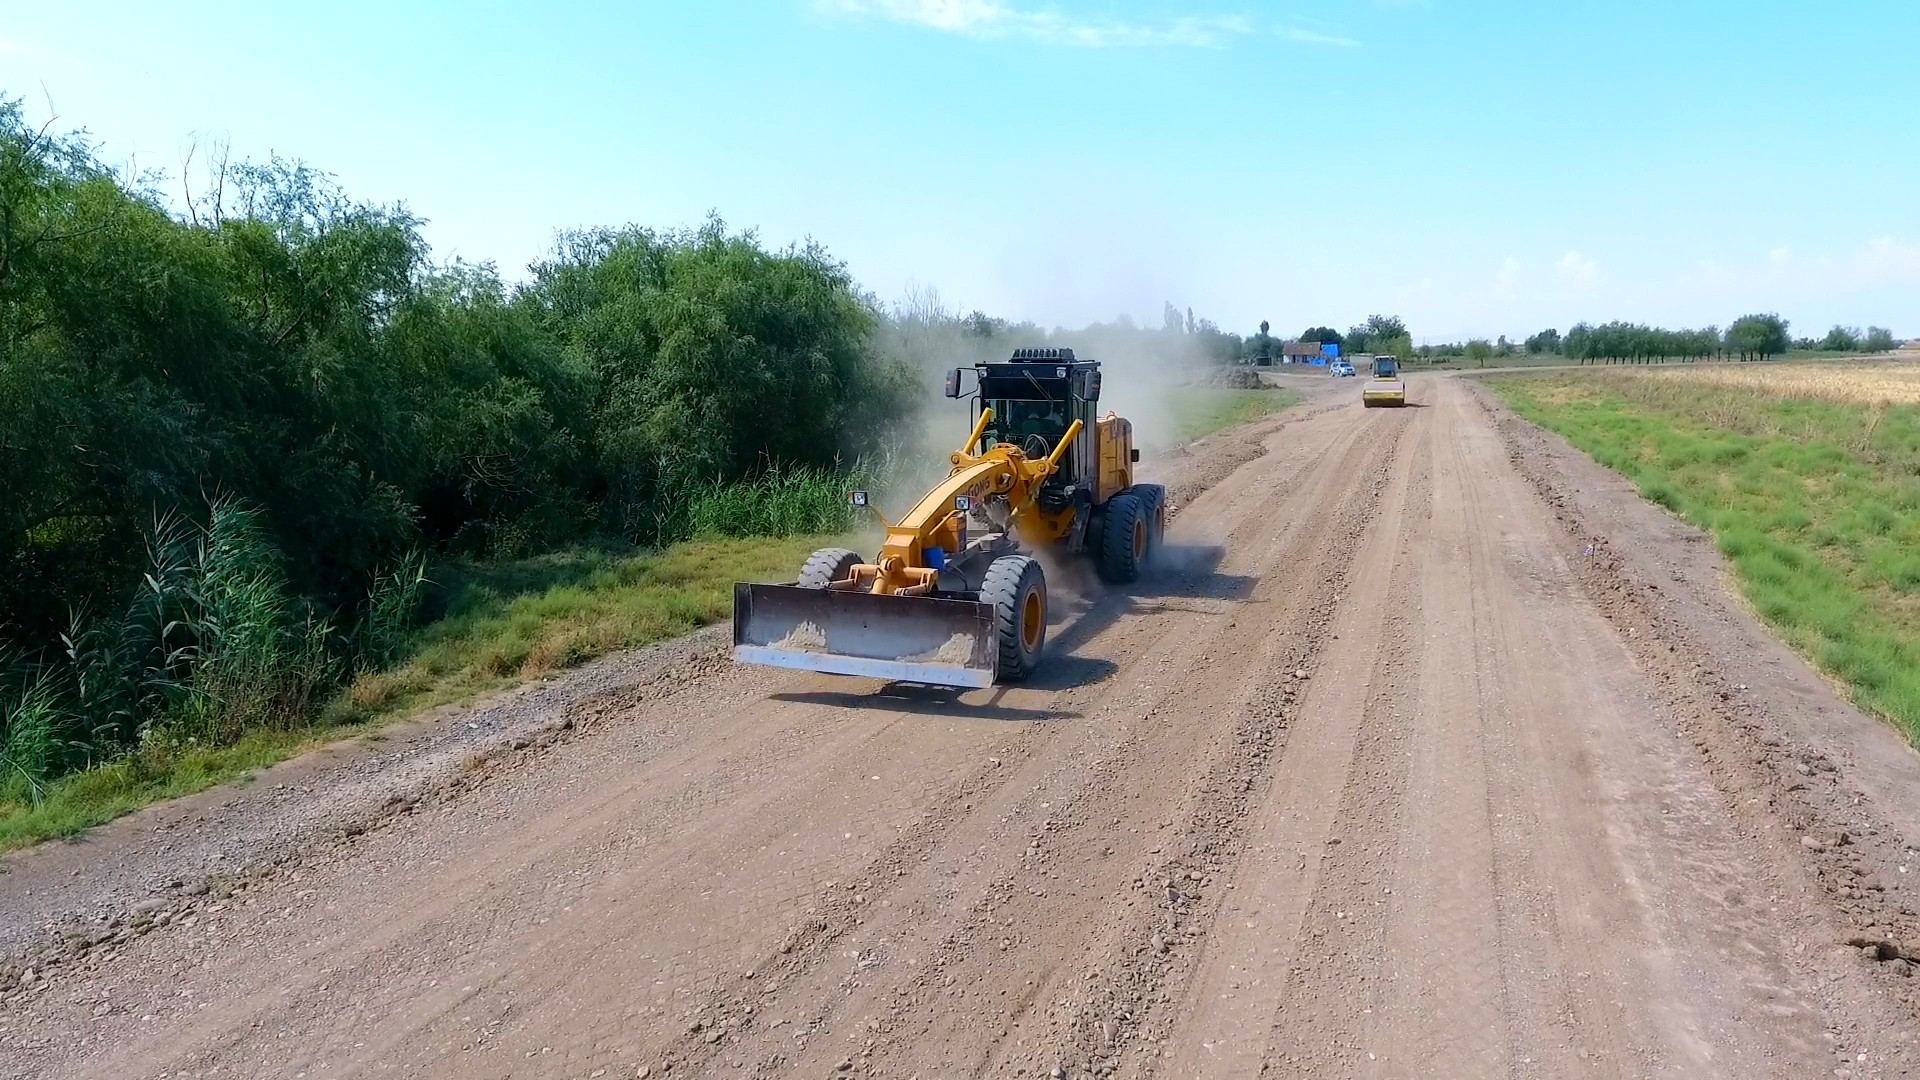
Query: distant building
<point x="1302" y="352"/>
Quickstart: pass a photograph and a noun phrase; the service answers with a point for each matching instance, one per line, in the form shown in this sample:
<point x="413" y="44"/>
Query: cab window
<point x="1014" y="421"/>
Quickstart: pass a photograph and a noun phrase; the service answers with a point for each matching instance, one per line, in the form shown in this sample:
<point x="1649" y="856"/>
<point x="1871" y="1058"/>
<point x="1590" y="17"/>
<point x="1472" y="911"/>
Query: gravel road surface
<point x="1432" y="751"/>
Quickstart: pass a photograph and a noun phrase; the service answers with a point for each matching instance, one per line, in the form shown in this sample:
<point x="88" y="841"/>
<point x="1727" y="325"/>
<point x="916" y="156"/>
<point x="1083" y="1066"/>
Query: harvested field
<point x="1852" y="382"/>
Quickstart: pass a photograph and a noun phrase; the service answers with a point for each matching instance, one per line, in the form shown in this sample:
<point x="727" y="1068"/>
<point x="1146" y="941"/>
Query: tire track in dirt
<point x="586" y="940"/>
<point x="1126" y="1006"/>
<point x="1069" y="848"/>
<point x="1057" y="776"/>
<point x="830" y="920"/>
<point x="1517" y="941"/>
<point x="1331" y="990"/>
<point x="1230" y="994"/>
<point x="1442" y="983"/>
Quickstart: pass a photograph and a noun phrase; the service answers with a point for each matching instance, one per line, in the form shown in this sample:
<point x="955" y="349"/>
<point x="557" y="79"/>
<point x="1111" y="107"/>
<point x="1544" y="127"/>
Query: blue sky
<point x="1476" y="167"/>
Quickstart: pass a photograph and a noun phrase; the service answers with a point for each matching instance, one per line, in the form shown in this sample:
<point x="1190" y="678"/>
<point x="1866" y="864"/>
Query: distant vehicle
<point x="1342" y="369"/>
<point x="1386" y="388"/>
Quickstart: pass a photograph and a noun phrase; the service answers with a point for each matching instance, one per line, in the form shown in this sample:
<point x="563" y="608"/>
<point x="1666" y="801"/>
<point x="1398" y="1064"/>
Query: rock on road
<point x="1394" y="772"/>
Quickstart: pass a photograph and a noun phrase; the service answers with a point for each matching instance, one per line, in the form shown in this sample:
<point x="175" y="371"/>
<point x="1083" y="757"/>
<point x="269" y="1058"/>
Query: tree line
<point x="1750" y="337"/>
<point x="1849" y="339"/>
<point x="228" y="432"/>
<point x="236" y="432"/>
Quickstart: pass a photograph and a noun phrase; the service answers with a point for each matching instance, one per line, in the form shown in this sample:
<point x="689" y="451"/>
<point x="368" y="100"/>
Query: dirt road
<point x="1402" y="770"/>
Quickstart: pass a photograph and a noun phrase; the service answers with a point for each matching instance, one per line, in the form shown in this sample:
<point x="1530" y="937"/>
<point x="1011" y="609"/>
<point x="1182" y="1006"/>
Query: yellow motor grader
<point x="954" y="597"/>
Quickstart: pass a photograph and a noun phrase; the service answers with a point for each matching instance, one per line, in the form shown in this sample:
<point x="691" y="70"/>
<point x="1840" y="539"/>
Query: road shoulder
<point x="1828" y="787"/>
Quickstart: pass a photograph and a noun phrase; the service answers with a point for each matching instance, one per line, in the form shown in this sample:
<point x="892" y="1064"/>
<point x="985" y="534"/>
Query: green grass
<point x="506" y="623"/>
<point x="1814" y="503"/>
<point x="79" y="801"/>
<point x="780" y="502"/>
<point x="501" y="624"/>
<point x="1203" y="410"/>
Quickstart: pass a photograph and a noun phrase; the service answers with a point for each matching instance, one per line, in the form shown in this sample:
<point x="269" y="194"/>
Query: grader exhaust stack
<point x="950" y="599"/>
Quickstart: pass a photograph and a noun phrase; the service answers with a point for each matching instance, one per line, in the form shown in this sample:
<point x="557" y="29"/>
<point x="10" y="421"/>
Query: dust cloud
<point x="1141" y="369"/>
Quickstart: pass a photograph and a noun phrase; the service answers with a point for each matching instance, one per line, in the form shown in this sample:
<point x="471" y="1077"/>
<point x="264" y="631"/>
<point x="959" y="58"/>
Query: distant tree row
<point x="1623" y="342"/>
<point x="1850" y="339"/>
<point x="1204" y="338"/>
<point x="1750" y="337"/>
<point x="277" y="371"/>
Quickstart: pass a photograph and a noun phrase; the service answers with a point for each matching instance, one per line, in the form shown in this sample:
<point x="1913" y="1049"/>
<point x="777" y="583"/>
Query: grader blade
<point x="919" y="639"/>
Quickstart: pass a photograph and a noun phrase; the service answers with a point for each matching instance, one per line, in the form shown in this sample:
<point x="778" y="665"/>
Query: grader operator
<point x="954" y="596"/>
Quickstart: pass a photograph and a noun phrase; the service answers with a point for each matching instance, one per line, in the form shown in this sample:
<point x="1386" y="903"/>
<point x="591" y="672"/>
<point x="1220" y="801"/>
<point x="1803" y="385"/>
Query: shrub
<point x="779" y="502"/>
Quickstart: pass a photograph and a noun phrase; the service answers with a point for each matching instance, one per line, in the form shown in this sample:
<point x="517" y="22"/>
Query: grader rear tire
<point x="1123" y="539"/>
<point x="1156" y="512"/>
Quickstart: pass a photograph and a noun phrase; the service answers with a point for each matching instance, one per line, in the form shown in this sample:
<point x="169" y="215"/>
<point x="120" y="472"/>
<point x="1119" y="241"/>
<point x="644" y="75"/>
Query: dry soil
<point x="1431" y="751"/>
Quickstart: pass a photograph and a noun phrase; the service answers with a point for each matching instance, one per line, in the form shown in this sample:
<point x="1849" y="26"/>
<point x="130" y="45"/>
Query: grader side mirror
<point x="1136" y="455"/>
<point x="953" y="383"/>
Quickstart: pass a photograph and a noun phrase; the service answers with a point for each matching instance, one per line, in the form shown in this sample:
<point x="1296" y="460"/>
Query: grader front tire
<point x="826" y="566"/>
<point x="1017" y="588"/>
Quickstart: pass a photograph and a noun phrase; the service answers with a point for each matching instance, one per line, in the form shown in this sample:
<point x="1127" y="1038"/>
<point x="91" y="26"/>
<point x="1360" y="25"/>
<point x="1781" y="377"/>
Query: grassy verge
<point x="1811" y="491"/>
<point x="503" y="623"/>
<point x="506" y="623"/>
<point x="1203" y="410"/>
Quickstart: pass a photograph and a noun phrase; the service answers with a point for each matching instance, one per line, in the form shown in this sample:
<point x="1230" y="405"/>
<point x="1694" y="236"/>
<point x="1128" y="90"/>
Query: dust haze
<point x="1142" y="366"/>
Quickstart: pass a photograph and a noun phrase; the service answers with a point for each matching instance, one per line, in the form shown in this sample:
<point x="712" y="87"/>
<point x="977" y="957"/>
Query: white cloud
<point x="995" y="20"/>
<point x="1712" y="272"/>
<point x="1314" y="37"/>
<point x="1506" y="283"/>
<point x="1577" y="269"/>
<point x="1874" y="264"/>
<point x="1886" y="260"/>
